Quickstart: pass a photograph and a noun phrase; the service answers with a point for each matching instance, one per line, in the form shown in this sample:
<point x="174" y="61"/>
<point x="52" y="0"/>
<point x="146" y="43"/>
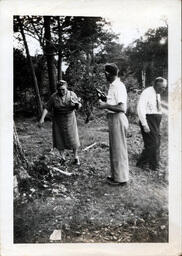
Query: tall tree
<point x="85" y="37"/>
<point x="22" y="165"/>
<point x="148" y="57"/>
<point x="76" y="41"/>
<point x="49" y="51"/>
<point x="19" y="155"/>
<point x="60" y="50"/>
<point x="37" y="93"/>
<point x="22" y="78"/>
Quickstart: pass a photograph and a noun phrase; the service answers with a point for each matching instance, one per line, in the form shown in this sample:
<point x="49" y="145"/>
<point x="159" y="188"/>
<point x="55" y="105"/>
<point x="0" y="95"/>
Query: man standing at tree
<point x="116" y="105"/>
<point x="149" y="112"/>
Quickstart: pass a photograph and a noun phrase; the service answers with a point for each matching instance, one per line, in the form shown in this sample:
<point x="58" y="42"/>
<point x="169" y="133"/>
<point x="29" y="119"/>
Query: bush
<point x="131" y="83"/>
<point x="132" y="106"/>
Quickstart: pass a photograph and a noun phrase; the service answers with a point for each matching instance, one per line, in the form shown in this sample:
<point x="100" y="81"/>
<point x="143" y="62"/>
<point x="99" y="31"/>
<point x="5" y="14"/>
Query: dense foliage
<point x="150" y="54"/>
<point x="84" y="45"/>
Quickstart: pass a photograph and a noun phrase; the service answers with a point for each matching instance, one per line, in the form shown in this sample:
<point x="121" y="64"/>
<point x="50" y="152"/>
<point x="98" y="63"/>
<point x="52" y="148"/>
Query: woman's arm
<point x="47" y="108"/>
<point x="44" y="113"/>
<point x="75" y="101"/>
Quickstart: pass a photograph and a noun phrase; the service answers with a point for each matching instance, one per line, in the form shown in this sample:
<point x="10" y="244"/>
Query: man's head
<point x="61" y="87"/>
<point x="111" y="72"/>
<point x="160" y="84"/>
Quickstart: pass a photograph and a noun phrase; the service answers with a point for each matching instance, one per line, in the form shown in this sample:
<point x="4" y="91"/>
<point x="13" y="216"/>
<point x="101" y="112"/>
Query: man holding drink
<point x="116" y="105"/>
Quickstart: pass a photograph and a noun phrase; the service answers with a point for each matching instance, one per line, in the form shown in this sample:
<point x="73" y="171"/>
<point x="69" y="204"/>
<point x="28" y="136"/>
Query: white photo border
<point x="172" y="10"/>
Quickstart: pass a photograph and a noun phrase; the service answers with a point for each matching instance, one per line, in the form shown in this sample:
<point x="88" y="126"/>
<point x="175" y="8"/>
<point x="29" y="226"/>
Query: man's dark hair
<point x="160" y="80"/>
<point x="61" y="83"/>
<point x="112" y="69"/>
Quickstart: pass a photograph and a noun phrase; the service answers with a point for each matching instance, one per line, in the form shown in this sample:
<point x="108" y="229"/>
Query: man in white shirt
<point x="116" y="106"/>
<point x="149" y="112"/>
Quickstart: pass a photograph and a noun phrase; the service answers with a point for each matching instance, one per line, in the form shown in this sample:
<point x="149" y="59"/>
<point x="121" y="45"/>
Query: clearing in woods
<point x="83" y="206"/>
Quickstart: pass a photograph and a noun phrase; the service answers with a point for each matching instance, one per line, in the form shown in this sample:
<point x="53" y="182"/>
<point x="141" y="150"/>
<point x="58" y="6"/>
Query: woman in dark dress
<point x="63" y="104"/>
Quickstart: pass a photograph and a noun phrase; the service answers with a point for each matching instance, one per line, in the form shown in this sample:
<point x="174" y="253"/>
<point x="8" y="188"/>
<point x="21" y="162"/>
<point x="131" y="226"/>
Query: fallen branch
<point x="92" y="145"/>
<point x="58" y="170"/>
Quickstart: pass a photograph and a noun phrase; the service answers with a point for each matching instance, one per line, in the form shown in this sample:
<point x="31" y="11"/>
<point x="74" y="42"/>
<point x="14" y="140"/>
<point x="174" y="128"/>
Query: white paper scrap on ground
<point x="56" y="235"/>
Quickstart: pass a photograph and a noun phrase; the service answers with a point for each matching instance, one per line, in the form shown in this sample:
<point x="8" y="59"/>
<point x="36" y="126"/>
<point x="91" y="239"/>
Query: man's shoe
<point x="154" y="168"/>
<point x="115" y="183"/>
<point x="139" y="164"/>
<point x="142" y="165"/>
<point x="122" y="183"/>
<point x="110" y="179"/>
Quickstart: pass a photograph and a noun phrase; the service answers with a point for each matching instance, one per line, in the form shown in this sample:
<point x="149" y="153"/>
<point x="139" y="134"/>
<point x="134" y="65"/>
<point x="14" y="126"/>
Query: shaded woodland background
<point x="84" y="44"/>
<point x="78" y="201"/>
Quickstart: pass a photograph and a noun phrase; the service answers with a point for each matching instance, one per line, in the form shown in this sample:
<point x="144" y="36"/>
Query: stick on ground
<point x="92" y="145"/>
<point x="63" y="172"/>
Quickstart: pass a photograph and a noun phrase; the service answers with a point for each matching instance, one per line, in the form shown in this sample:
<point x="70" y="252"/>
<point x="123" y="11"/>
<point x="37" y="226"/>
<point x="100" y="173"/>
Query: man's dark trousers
<point x="151" y="151"/>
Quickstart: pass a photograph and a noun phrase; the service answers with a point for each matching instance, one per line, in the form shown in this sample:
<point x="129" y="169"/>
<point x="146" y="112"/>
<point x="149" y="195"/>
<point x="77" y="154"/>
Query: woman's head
<point x="62" y="87"/>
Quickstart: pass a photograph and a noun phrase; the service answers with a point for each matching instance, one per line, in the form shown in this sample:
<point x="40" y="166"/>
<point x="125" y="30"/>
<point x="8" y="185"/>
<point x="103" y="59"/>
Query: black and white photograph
<point x="91" y="127"/>
<point x="90" y="131"/>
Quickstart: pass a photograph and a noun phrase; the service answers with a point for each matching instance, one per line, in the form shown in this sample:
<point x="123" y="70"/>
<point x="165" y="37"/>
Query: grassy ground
<point x="83" y="205"/>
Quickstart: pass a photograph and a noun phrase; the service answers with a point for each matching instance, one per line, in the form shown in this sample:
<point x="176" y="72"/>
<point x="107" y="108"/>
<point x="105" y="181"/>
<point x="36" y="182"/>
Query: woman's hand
<point x="45" y="111"/>
<point x="78" y="105"/>
<point x="102" y="104"/>
<point x="40" y="124"/>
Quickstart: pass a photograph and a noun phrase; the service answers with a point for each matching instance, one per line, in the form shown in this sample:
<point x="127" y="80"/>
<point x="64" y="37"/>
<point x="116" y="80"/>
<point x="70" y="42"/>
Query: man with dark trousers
<point x="149" y="112"/>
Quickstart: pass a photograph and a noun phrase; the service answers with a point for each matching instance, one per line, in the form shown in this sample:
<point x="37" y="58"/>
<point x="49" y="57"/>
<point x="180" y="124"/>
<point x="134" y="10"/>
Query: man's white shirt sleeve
<point x="121" y="95"/>
<point x="141" y="108"/>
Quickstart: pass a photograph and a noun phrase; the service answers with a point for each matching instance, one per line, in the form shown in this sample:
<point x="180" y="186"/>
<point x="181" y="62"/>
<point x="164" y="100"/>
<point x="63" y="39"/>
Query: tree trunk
<point x="21" y="163"/>
<point x="88" y="104"/>
<point x="19" y="155"/>
<point x="49" y="52"/>
<point x="60" y="52"/>
<point x="37" y="93"/>
<point x="143" y="78"/>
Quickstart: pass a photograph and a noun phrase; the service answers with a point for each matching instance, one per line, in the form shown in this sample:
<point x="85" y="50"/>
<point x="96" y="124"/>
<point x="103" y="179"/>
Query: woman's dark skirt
<point x="65" y="131"/>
